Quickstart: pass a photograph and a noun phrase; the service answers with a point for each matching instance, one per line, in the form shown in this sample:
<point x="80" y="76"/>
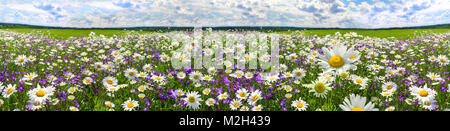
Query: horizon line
<point x="223" y="26"/>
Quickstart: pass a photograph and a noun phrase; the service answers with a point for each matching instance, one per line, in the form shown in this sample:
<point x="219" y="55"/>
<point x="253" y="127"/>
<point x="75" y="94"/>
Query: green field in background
<point x="67" y="33"/>
<point x="397" y="33"/>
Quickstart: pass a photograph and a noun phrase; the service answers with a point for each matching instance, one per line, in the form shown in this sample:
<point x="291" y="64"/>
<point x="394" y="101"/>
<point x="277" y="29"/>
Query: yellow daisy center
<point x="358" y="81"/>
<point x="299" y="105"/>
<point x="242" y="94"/>
<point x="344" y="75"/>
<point x="423" y="93"/>
<point x="40" y="93"/>
<point x="130" y="105"/>
<point x="254" y="98"/>
<point x="191" y="99"/>
<point x="110" y="82"/>
<point x="352" y="57"/>
<point x="288" y="74"/>
<point x="357" y="109"/>
<point x="336" y="61"/>
<point x="239" y="74"/>
<point x="389" y="87"/>
<point x="10" y="90"/>
<point x="319" y="87"/>
<point x="21" y="60"/>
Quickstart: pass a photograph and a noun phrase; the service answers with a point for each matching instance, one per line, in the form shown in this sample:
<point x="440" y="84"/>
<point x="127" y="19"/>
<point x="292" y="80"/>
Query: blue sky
<point x="301" y="13"/>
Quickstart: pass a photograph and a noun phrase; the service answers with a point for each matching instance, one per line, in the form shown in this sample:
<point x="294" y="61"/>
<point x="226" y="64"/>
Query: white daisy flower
<point x="299" y="104"/>
<point x="41" y="94"/>
<point x="193" y="100"/>
<point x="130" y="105"/>
<point x="320" y="88"/>
<point x="357" y="103"/>
<point x="337" y="58"/>
<point x="9" y="90"/>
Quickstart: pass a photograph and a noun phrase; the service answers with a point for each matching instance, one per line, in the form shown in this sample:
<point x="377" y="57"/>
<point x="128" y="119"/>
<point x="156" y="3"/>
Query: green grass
<point x="397" y="33"/>
<point x="67" y="33"/>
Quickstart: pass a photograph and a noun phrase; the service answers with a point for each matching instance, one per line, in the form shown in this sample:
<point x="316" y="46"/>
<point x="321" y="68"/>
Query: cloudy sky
<point x="300" y="13"/>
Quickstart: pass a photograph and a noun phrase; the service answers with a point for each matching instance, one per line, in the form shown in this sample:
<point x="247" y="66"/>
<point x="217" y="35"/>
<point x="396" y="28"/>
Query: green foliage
<point x="397" y="33"/>
<point x="67" y="33"/>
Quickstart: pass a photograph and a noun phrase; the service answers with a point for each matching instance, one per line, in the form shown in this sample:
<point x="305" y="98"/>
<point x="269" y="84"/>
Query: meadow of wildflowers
<point x="224" y="71"/>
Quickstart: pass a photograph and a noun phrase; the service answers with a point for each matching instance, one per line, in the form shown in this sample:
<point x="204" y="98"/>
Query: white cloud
<point x="303" y="13"/>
